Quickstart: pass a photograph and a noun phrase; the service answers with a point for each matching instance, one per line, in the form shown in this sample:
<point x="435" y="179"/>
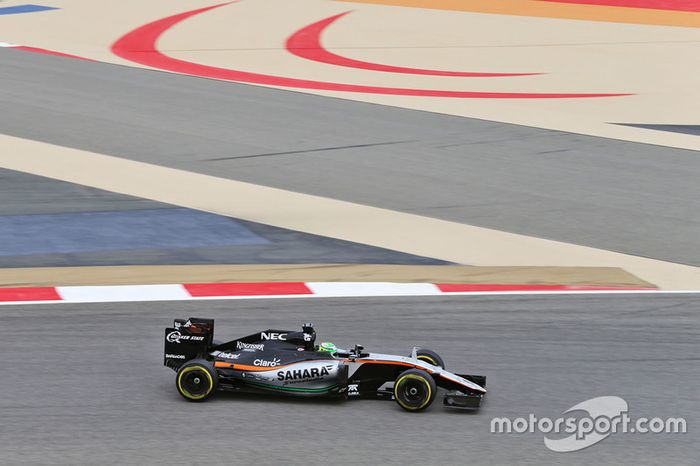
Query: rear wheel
<point x="197" y="380"/>
<point x="414" y="390"/>
<point x="431" y="357"/>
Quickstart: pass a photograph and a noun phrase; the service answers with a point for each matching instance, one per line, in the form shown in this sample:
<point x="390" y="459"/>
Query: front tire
<point x="431" y="357"/>
<point x="414" y="390"/>
<point x="197" y="380"/>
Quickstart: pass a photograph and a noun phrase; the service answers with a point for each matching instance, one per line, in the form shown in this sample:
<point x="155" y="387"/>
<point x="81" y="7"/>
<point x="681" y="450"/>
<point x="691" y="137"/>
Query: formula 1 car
<point x="290" y="363"/>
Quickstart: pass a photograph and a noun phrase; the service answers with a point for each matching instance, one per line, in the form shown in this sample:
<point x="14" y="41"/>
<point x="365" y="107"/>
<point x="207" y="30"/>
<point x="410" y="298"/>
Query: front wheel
<point x="414" y="390"/>
<point x="197" y="380"/>
<point x="431" y="357"/>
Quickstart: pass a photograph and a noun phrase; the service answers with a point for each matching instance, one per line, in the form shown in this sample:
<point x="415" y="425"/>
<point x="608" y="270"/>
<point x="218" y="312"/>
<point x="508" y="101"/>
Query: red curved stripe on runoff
<point x="306" y="43"/>
<point x="139" y="46"/>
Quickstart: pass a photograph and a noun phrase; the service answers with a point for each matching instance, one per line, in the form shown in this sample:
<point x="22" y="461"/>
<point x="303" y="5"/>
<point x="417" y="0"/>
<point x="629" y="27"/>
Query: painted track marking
<point x="139" y="46"/>
<point x="306" y="43"/>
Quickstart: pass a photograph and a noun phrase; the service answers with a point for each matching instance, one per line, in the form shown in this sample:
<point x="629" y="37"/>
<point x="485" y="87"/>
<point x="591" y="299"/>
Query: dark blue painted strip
<point x="67" y="233"/>
<point x="13" y="10"/>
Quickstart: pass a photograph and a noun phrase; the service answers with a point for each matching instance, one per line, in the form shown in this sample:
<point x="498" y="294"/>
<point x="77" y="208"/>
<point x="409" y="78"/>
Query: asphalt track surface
<point x="87" y="385"/>
<point x="626" y="197"/>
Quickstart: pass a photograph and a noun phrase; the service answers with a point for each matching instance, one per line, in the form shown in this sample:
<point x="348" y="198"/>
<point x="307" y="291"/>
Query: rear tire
<point x="414" y="390"/>
<point x="197" y="380"/>
<point x="431" y="357"/>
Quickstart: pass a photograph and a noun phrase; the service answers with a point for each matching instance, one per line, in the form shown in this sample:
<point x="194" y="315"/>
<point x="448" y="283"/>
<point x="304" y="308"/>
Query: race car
<point x="290" y="363"/>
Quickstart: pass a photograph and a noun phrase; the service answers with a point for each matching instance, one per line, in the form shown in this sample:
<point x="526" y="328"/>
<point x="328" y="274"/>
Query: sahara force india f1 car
<point x="290" y="363"/>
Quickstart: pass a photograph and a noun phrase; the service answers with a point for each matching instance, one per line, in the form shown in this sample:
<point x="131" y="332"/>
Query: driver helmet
<point x="327" y="347"/>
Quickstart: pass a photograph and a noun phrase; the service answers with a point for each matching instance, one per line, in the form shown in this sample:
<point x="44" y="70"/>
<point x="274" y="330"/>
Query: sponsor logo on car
<point x="253" y="346"/>
<point x="273" y="336"/>
<point x="352" y="389"/>
<point x="177" y="337"/>
<point x="302" y="374"/>
<point x="224" y="355"/>
<point x="174" y="356"/>
<point x="263" y="363"/>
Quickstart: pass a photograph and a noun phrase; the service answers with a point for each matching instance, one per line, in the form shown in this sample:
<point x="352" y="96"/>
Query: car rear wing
<point x="187" y="339"/>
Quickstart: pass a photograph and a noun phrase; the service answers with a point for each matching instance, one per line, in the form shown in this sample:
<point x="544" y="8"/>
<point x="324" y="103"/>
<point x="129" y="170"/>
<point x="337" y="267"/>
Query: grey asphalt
<point x="84" y="384"/>
<point x="50" y="223"/>
<point x="622" y="196"/>
<point x="683" y="129"/>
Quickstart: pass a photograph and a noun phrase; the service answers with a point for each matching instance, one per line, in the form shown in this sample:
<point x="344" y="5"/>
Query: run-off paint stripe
<point x="27" y="48"/>
<point x="675" y="5"/>
<point x="29" y="8"/>
<point x="132" y="46"/>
